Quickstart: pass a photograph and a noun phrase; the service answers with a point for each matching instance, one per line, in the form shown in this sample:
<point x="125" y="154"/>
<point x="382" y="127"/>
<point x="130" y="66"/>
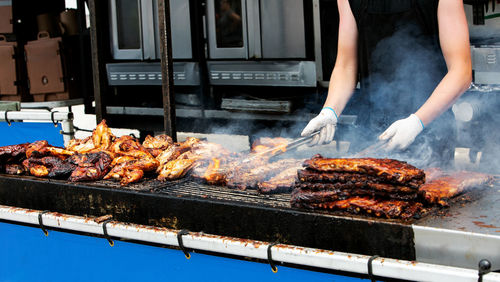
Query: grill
<point x="188" y="204"/>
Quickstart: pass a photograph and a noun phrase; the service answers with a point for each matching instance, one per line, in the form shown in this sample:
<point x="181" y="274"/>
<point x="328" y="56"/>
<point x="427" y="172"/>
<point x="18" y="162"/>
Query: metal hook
<point x="52" y="118"/>
<point x="180" y="243"/>
<point x="40" y="222"/>
<point x="270" y="257"/>
<point x="370" y="267"/>
<point x="6" y="118"/>
<point x="105" y="232"/>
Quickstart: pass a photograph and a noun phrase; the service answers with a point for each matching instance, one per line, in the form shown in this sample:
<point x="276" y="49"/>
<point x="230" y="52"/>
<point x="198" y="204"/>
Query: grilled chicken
<point x="126" y="169"/>
<point x="13" y="153"/>
<point x="156" y="145"/>
<point x="81" y="145"/>
<point x="175" y="169"/>
<point x="14" y="169"/>
<point x="91" y="166"/>
<point x="102" y="136"/>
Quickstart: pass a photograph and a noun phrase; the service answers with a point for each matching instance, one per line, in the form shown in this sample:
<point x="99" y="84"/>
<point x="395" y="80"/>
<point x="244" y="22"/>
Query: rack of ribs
<point x="370" y="206"/>
<point x="283" y="182"/>
<point x="387" y="170"/>
<point x="249" y="178"/>
<point x="444" y="186"/>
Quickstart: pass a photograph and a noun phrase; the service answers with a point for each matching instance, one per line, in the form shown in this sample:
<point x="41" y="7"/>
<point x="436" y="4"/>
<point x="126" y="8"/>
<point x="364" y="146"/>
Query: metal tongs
<point x="277" y="150"/>
<point x="372" y="149"/>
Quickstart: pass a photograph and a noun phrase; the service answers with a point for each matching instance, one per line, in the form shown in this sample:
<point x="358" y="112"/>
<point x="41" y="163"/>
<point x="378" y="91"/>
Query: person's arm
<point x="342" y="81"/>
<point x="344" y="75"/>
<point x="454" y="40"/>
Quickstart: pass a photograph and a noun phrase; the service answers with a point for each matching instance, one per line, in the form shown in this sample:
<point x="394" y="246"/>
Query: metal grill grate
<point x="189" y="188"/>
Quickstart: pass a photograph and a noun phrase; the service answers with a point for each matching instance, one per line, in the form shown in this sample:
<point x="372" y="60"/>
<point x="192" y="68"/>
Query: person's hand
<point x="402" y="133"/>
<point x="325" y="123"/>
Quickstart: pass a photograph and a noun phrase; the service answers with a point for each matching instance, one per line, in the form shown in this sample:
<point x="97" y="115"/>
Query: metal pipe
<point x="36" y="115"/>
<point x="384" y="267"/>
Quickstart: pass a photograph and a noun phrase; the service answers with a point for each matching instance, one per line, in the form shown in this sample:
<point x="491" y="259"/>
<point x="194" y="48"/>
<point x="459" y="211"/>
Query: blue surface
<point x="28" y="255"/>
<point x="22" y="132"/>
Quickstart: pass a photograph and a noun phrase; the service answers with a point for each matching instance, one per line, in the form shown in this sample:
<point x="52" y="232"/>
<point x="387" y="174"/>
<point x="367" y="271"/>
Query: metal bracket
<point x="6" y="118"/>
<point x="105" y="232"/>
<point x="40" y="222"/>
<point x="181" y="245"/>
<point x="270" y="257"/>
<point x="370" y="267"/>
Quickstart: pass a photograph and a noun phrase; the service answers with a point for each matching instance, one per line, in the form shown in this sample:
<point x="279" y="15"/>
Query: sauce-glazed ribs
<point x="442" y="186"/>
<point x="377" y="187"/>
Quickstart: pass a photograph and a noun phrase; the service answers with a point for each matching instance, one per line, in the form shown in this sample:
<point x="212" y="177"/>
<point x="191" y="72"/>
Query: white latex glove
<point x="402" y="133"/>
<point x="325" y="122"/>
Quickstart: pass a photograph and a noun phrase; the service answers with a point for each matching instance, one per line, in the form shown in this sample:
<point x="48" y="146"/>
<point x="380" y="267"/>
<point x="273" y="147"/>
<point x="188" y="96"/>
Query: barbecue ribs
<point x="370" y="206"/>
<point x="389" y="170"/>
<point x="444" y="186"/>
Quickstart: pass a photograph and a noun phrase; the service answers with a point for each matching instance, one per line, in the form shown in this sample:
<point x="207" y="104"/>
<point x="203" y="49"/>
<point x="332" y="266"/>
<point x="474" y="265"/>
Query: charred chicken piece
<point x="442" y="188"/>
<point x="156" y="145"/>
<point x="126" y="169"/>
<point x="13" y="153"/>
<point x="389" y="170"/>
<point x="91" y="166"/>
<point x="175" y="169"/>
<point x="35" y="146"/>
<point x="53" y="167"/>
<point x="14" y="169"/>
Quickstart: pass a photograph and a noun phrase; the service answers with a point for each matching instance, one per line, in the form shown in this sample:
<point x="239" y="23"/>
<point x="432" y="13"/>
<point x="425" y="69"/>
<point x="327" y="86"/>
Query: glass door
<point x="227" y="29"/>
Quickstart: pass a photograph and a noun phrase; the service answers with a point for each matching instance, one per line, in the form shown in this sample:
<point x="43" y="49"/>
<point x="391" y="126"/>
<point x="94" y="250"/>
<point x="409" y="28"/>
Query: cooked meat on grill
<point x="35" y="146"/>
<point x="91" y="166"/>
<point x="175" y="169"/>
<point x="442" y="188"/>
<point x="102" y="136"/>
<point x="359" y="179"/>
<point x="39" y="170"/>
<point x="53" y="166"/>
<point x="283" y="182"/>
<point x="393" y="171"/>
<point x="13" y="153"/>
<point x="343" y="191"/>
<point x="81" y="145"/>
<point x="257" y="172"/>
<point x="129" y="146"/>
<point x="170" y="164"/>
<point x="388" y="188"/>
<point x="126" y="169"/>
<point x="371" y="206"/>
<point x="14" y="169"/>
<point x="157" y="144"/>
<point x="265" y="143"/>
<point x="213" y="174"/>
